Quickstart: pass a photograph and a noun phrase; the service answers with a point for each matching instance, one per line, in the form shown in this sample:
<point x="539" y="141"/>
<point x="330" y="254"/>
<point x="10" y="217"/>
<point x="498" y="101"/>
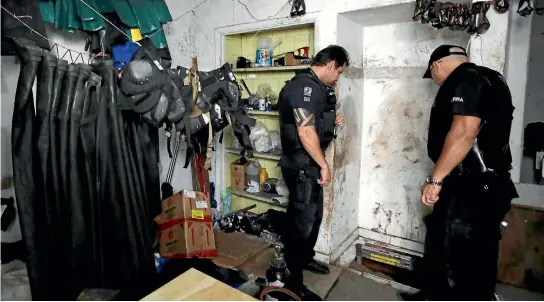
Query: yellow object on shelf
<point x="263" y="177"/>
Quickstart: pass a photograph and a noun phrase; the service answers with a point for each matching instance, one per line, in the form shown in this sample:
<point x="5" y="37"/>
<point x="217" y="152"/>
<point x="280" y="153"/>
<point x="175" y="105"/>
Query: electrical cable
<point x="277" y="289"/>
<point x="36" y="32"/>
<point x="252" y="16"/>
<point x="192" y="10"/>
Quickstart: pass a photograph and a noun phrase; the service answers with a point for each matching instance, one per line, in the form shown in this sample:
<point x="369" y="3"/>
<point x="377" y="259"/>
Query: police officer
<point x="308" y="116"/>
<point x="470" y="185"/>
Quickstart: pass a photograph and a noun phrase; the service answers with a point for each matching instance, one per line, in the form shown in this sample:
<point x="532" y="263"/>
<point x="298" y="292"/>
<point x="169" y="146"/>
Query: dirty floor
<point x="353" y="287"/>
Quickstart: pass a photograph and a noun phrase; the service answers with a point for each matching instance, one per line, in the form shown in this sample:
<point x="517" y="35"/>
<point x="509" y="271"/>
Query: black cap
<point x="443" y="51"/>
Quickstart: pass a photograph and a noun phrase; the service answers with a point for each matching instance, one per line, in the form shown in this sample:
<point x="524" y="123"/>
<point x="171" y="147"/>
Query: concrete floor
<point x="353" y="287"/>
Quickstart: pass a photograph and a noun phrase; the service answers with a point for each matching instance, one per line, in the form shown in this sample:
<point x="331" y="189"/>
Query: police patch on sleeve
<point x="307" y="91"/>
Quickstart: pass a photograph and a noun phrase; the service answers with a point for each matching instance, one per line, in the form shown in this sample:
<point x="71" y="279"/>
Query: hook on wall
<point x="68" y="52"/>
<point x="51" y="49"/>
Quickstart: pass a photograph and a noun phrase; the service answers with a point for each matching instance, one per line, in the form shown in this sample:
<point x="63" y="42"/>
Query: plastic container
<point x="262" y="105"/>
<point x="263" y="56"/>
<point x="253" y="172"/>
<point x="263" y="177"/>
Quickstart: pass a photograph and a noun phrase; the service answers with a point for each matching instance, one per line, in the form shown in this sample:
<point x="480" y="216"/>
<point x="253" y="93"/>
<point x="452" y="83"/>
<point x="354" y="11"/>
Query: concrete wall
<point x="534" y="96"/>
<point x="380" y="161"/>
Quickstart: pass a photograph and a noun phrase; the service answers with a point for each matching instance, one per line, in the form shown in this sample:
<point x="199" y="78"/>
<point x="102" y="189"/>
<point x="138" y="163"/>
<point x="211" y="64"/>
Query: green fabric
<point x="148" y="21"/>
<point x="162" y="11"/>
<point x="124" y="11"/>
<point x="159" y="40"/>
<point x="47" y="9"/>
<point x="91" y="21"/>
<point x="73" y="22"/>
<point x="105" y="6"/>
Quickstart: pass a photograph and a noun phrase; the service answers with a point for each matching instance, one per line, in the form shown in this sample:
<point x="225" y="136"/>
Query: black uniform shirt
<point x="302" y="92"/>
<point x="472" y="90"/>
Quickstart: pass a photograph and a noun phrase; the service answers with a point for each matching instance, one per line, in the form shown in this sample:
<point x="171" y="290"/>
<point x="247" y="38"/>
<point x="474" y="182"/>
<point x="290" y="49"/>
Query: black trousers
<point x="304" y="215"/>
<point x="463" y="233"/>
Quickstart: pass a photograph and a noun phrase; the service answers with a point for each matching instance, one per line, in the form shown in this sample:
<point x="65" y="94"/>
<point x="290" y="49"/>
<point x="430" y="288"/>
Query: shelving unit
<point x="271" y="155"/>
<point x="261" y="196"/>
<point x="276" y="68"/>
<point x="245" y="45"/>
<point x="258" y="112"/>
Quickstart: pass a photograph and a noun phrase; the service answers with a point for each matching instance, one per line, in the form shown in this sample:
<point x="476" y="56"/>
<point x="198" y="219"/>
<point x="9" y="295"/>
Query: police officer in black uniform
<point x="308" y="117"/>
<point x="470" y="185"/>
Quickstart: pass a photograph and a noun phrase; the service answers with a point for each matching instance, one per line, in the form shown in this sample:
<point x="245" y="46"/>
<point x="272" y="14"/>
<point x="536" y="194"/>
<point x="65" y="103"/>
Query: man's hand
<point x="325" y="176"/>
<point x="340" y="119"/>
<point x="429" y="194"/>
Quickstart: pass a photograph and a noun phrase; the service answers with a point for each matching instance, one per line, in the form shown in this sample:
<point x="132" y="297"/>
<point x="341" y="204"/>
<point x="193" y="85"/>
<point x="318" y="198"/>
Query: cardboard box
<point x="238" y="175"/>
<point x="187" y="238"/>
<point x="186" y="204"/>
<point x="185" y="226"/>
<point x="290" y="59"/>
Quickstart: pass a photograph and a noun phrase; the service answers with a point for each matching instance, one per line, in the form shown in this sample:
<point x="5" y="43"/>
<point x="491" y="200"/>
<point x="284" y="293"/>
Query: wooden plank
<point x="194" y="285"/>
<point x="259" y="112"/>
<point x="277" y="68"/>
<point x="270" y="155"/>
<point x="261" y="196"/>
<point x="322" y="284"/>
<point x="236" y="248"/>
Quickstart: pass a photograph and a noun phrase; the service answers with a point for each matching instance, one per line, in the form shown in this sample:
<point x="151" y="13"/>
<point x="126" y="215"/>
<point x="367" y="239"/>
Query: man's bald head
<point x="443" y="61"/>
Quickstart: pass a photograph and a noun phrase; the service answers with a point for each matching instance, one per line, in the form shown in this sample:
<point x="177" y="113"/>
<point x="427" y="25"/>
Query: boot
<point x="88" y="142"/>
<point x="25" y="166"/>
<point x="43" y="105"/>
<point x="60" y="71"/>
<point x="78" y="201"/>
<point x="63" y="115"/>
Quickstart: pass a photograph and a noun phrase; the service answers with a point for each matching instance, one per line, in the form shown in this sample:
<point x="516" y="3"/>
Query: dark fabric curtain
<point x="86" y="180"/>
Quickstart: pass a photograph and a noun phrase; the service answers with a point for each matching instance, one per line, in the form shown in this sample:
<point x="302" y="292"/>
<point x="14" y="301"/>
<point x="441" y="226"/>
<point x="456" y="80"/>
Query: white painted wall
<point x="534" y="96"/>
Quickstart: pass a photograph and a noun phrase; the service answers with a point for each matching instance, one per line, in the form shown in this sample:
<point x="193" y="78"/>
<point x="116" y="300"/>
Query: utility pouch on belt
<point x="306" y="189"/>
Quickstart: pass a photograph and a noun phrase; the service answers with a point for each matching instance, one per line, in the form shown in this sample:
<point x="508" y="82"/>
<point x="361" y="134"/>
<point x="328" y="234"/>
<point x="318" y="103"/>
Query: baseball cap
<point x="443" y="51"/>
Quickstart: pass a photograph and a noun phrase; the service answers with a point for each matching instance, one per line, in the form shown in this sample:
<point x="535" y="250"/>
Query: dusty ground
<point x="352" y="287"/>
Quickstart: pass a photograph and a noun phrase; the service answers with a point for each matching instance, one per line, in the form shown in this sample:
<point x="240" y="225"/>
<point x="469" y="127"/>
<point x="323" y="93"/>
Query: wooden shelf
<point x="279" y="68"/>
<point x="271" y="155"/>
<point x="261" y="196"/>
<point x="259" y="112"/>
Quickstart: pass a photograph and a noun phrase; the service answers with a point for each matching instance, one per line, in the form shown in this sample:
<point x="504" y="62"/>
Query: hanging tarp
<point x="146" y="15"/>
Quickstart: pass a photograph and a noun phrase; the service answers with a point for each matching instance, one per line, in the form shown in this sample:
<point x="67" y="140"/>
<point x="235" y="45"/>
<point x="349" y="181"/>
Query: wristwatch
<point x="431" y="181"/>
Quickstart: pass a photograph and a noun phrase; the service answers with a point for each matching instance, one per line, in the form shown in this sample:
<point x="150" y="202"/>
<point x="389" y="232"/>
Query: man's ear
<point x="331" y="65"/>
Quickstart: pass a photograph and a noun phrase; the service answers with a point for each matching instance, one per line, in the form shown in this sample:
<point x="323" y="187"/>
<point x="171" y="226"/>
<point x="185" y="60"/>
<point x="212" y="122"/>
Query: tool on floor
<point x="277" y="273"/>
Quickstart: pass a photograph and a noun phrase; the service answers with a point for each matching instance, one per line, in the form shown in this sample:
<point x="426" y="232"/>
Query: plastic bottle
<point x="263" y="177"/>
<point x="253" y="172"/>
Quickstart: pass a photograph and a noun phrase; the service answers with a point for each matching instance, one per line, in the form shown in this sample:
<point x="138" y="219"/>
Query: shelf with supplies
<point x="259" y="112"/>
<point x="274" y="68"/>
<point x="261" y="196"/>
<point x="271" y="155"/>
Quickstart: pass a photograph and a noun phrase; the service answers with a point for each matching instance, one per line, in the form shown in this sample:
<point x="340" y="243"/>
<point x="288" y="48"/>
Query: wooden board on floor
<point x="196" y="286"/>
<point x="235" y="248"/>
<point x="319" y="284"/>
<point x="322" y="284"/>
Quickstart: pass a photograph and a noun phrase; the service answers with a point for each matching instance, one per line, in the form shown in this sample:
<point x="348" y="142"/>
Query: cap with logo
<point x="443" y="51"/>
